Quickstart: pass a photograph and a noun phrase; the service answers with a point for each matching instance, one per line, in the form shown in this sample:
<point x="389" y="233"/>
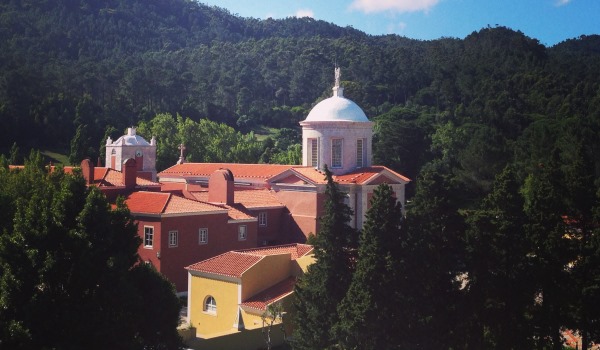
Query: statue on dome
<point x="338" y="75"/>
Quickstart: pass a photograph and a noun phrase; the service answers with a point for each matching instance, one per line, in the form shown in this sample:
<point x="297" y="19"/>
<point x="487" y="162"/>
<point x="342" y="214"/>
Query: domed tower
<point x="337" y="133"/>
<point x="135" y="147"/>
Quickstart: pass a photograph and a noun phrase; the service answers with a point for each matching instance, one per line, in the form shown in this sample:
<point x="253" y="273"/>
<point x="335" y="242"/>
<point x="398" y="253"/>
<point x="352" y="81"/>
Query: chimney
<point x="129" y="170"/>
<point x="87" y="168"/>
<point x="221" y="187"/>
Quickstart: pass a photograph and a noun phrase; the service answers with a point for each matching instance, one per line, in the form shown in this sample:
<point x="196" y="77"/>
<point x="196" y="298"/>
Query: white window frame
<point x="203" y="235"/>
<point x="242" y="232"/>
<point x="210" y="305"/>
<point x="313" y="149"/>
<point x="148" y="237"/>
<point x="360" y="153"/>
<point x="337" y="153"/>
<point x="173" y="238"/>
<point x="262" y="219"/>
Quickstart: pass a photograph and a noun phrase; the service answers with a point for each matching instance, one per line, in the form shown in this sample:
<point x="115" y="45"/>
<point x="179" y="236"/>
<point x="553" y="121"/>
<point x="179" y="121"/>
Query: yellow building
<point x="228" y="294"/>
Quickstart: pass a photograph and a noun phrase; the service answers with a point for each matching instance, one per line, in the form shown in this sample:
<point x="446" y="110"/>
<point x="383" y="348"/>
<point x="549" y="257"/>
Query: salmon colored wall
<point x="305" y="208"/>
<point x="222" y="237"/>
<point x="273" y="229"/>
<point x="149" y="254"/>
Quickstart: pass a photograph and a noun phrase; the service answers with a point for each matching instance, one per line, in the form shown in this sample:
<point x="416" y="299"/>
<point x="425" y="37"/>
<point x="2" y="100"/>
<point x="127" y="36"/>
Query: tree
<point x="432" y="268"/>
<point x="70" y="273"/>
<point x="499" y="289"/>
<point x="273" y="314"/>
<point x="321" y="289"/>
<point x="369" y="313"/>
<point x="552" y="250"/>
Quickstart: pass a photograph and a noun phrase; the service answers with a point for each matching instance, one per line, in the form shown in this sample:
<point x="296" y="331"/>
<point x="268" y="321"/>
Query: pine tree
<point x="368" y="313"/>
<point x="498" y="288"/>
<point x="326" y="282"/>
<point x="552" y="250"/>
<point x="432" y="263"/>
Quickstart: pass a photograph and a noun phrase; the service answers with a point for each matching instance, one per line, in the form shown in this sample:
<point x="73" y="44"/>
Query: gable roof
<point x="158" y="203"/>
<point x="235" y="263"/>
<point x="230" y="264"/>
<point x="365" y="175"/>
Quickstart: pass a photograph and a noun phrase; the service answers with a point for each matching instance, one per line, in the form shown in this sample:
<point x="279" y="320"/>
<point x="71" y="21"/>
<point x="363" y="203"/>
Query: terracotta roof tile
<point x="231" y="264"/>
<point x="166" y="203"/>
<point x="261" y="300"/>
<point x="234" y="263"/>
<point x="259" y="198"/>
<point x="147" y="202"/>
<point x="260" y="171"/>
<point x="295" y="249"/>
<point x="238" y="212"/>
<point x="312" y="174"/>
<point x="107" y="177"/>
<point x="362" y="175"/>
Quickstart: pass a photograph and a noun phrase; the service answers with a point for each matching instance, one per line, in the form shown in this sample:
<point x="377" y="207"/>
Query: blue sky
<point x="549" y="21"/>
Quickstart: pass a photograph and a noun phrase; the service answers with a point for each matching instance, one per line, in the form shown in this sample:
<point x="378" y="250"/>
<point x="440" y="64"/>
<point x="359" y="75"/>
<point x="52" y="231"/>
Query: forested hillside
<point x="493" y="97"/>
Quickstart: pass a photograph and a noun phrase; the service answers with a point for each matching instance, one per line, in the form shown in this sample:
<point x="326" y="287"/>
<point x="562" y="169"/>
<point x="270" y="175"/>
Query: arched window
<point x="210" y="305"/>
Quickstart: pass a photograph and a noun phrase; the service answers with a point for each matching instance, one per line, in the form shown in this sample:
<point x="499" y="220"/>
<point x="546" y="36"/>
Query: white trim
<point x="151" y="246"/>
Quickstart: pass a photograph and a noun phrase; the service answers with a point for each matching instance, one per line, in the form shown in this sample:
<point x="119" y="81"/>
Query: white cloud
<point x="562" y="2"/>
<point x="370" y="6"/>
<point x="305" y="13"/>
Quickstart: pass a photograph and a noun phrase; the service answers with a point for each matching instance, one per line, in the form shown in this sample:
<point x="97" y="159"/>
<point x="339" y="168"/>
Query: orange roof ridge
<point x="166" y="203"/>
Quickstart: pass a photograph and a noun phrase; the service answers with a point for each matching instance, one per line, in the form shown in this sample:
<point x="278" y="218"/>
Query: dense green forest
<point x="482" y="101"/>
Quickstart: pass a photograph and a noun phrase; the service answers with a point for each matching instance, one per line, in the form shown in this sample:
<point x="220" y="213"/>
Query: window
<point x="148" y="236"/>
<point x="173" y="238"/>
<point x="210" y="305"/>
<point x="360" y="153"/>
<point x="336" y="153"/>
<point x="242" y="233"/>
<point x="203" y="236"/>
<point x="262" y="218"/>
<point x="313" y="146"/>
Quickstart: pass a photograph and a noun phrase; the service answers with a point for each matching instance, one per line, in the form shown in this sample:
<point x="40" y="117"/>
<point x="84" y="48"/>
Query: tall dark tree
<point x="497" y="261"/>
<point x="326" y="282"/>
<point x="368" y="313"/>
<point x="552" y="250"/>
<point x="433" y="267"/>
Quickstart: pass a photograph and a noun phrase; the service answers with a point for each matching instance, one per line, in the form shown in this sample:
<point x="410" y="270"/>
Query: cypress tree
<point x="368" y="313"/>
<point x="326" y="281"/>
<point x="498" y="288"/>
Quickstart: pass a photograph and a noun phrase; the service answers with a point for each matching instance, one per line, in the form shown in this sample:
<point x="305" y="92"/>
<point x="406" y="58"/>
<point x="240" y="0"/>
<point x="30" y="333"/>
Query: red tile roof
<point x="235" y="263"/>
<point x="166" y="203"/>
<point x="273" y="294"/>
<point x="232" y="264"/>
<point x="363" y="175"/>
<point x="296" y="250"/>
<point x="106" y="177"/>
<point x="248" y="171"/>
<point x="259" y="198"/>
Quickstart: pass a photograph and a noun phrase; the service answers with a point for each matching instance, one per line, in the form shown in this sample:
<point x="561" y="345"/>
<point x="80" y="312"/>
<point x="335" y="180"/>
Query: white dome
<point x="131" y="139"/>
<point x="336" y="108"/>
